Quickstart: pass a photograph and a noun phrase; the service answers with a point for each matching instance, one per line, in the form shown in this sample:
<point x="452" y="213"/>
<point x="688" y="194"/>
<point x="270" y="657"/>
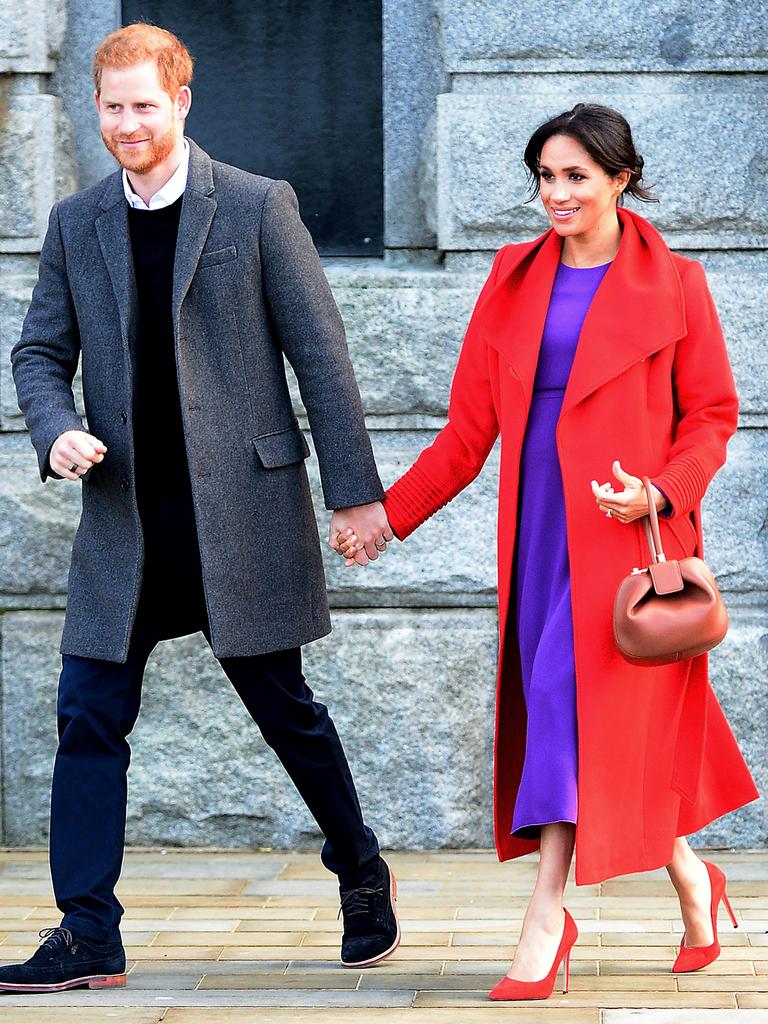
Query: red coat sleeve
<point x="706" y="399"/>
<point x="460" y="449"/>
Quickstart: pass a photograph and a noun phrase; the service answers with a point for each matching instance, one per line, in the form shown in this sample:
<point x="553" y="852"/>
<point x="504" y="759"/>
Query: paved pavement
<point x="229" y="936"/>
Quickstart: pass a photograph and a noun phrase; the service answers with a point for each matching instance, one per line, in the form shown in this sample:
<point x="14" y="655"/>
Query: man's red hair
<point x="141" y="42"/>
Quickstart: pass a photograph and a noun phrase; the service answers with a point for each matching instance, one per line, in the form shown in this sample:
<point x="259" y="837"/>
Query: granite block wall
<point x="409" y="670"/>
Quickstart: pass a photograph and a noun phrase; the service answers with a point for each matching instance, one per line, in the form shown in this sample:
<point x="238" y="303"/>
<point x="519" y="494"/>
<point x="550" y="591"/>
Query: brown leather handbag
<point x="670" y="610"/>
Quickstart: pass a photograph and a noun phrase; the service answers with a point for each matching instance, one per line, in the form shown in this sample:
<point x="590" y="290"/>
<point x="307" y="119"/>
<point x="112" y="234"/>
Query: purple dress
<point x="542" y="587"/>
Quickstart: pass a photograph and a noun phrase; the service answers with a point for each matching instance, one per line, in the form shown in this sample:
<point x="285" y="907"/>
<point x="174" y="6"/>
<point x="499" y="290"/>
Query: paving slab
<point x="343" y="979"/>
<point x="211" y="998"/>
<point x="196" y="914"/>
<point x="393" y="965"/>
<point x="201" y="967"/>
<point x="701" y="1016"/>
<point x="727" y="937"/>
<point x="498" y="1011"/>
<point x="79" y="1015"/>
<point x="167" y="981"/>
<point x="592" y="999"/>
<point x="706" y="982"/>
<point x="437" y="982"/>
<point x="752" y="1000"/>
<point x="499" y="967"/>
<point x="229" y="938"/>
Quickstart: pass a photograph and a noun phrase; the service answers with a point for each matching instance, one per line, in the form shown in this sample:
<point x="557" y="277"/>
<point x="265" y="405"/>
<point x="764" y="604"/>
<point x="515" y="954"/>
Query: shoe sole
<point x="91" y="980"/>
<point x="395" y="944"/>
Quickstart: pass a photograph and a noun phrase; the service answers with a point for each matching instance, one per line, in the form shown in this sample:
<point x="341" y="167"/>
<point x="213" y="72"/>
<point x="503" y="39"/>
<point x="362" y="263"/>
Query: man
<point x="182" y="282"/>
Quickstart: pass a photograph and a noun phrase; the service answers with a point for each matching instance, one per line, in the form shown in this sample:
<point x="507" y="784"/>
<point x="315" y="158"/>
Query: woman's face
<point x="578" y="196"/>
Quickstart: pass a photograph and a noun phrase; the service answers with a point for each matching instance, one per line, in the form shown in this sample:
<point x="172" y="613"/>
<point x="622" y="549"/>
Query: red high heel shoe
<point x="510" y="988"/>
<point x="693" y="958"/>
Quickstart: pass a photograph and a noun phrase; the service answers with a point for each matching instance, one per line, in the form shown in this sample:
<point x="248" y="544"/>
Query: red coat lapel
<point x="637" y="310"/>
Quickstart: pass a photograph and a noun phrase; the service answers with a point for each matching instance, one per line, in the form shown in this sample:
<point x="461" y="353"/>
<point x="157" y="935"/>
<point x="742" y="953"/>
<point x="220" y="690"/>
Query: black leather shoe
<point x="64" y="960"/>
<point x="371" y="928"/>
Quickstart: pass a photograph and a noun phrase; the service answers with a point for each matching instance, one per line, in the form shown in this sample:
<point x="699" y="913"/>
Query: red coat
<point x="650" y="385"/>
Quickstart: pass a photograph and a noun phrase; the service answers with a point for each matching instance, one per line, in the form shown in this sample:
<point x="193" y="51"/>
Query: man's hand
<point x="74" y="452"/>
<point x="363" y="530"/>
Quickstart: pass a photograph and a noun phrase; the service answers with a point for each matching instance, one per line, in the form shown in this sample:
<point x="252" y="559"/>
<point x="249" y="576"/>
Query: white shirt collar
<point x="169" y="193"/>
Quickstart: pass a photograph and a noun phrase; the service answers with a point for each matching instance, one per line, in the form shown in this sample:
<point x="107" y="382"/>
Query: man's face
<point x="140" y="123"/>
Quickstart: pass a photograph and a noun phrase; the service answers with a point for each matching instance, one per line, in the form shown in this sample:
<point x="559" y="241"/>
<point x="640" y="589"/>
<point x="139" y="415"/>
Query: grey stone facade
<point x="409" y="670"/>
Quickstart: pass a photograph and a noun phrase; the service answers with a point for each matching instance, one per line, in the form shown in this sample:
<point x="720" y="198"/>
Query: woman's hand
<point x="354" y="551"/>
<point x="348" y="547"/>
<point x="629" y="504"/>
<point x="347" y="536"/>
<point x="364" y="526"/>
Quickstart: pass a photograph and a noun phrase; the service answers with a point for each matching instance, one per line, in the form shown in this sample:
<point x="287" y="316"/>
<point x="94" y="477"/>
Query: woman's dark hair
<point x="605" y="134"/>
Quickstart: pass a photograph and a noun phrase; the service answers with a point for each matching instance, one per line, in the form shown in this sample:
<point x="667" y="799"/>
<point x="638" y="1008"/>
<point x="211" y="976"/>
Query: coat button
<point x="124" y="417"/>
<point x="125" y="483"/>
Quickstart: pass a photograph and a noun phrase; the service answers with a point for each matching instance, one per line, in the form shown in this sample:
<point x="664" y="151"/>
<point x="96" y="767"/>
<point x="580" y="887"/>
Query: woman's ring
<point x="382" y="548"/>
<point x="608" y="513"/>
<point x="74" y="468"/>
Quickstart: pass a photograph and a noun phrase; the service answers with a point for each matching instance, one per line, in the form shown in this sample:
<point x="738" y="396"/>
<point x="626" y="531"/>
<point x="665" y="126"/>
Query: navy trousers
<point x="98" y="705"/>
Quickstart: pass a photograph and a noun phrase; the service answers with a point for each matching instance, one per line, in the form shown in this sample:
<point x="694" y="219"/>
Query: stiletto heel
<point x="693" y="958"/>
<point x="728" y="907"/>
<point x="566" y="968"/>
<point x="511" y="988"/>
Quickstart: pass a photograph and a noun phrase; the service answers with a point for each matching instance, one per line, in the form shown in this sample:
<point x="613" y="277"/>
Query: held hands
<point x="360" y="533"/>
<point x="74" y="452"/>
<point x="629" y="504"/>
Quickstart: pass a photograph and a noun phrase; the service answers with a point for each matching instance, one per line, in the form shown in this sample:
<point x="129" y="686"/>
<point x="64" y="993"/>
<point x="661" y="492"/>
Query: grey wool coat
<point x="248" y="288"/>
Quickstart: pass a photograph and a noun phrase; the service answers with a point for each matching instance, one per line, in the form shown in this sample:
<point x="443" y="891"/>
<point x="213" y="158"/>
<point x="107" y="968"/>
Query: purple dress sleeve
<point x="667" y="511"/>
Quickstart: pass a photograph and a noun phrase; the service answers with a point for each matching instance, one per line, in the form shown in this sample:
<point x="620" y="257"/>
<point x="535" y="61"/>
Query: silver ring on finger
<point x="609" y="513"/>
<point x="74" y="468"/>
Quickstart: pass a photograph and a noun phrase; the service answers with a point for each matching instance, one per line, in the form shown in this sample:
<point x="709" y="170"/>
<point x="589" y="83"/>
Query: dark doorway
<point x="291" y="89"/>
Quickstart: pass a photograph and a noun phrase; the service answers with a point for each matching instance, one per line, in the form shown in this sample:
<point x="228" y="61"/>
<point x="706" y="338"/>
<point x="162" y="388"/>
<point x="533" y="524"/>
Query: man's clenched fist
<point x="74" y="452"/>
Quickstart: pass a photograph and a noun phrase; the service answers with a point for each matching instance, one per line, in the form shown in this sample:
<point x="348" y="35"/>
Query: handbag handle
<point x="651" y="524"/>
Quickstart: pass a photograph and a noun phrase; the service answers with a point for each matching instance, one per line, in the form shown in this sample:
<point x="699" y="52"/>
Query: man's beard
<point x="152" y="153"/>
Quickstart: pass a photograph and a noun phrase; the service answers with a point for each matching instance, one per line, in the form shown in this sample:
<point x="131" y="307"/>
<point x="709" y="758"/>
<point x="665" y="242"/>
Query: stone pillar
<point x="36" y="169"/>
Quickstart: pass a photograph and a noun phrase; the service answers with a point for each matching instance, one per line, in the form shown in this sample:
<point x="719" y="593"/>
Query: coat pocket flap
<point x="281" y="448"/>
<point x="212" y="257"/>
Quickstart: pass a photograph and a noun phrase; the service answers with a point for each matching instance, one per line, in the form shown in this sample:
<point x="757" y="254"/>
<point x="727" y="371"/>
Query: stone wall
<point x="409" y="669"/>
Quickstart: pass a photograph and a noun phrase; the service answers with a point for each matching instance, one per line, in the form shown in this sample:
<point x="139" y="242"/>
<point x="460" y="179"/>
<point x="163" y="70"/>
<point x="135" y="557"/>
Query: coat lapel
<point x="513" y="316"/>
<point x="637" y="310"/>
<point x="114" y="241"/>
<point x="197" y="210"/>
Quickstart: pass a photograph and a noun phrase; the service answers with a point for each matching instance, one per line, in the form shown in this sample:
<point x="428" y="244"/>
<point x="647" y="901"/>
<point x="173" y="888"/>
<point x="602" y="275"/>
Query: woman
<point x="596" y="353"/>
